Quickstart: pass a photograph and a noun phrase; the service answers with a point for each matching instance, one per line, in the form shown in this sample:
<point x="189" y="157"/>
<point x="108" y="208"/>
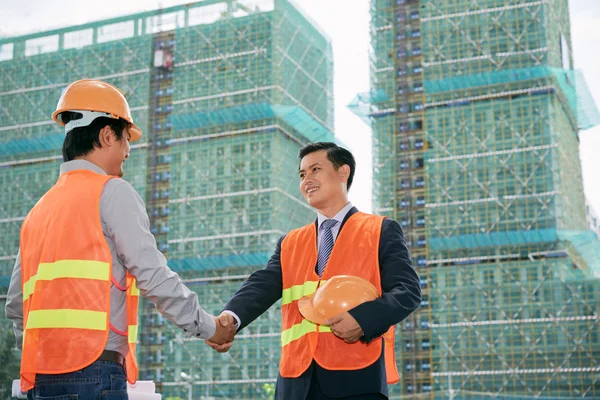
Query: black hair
<point x="337" y="155"/>
<point x="84" y="139"/>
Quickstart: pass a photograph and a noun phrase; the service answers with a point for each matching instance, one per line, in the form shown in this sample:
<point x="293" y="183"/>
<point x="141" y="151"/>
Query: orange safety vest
<point x="66" y="275"/>
<point x="356" y="252"/>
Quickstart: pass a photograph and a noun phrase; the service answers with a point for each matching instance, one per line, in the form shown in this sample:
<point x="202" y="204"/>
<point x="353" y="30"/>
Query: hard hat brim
<point x="135" y="132"/>
<point x="308" y="311"/>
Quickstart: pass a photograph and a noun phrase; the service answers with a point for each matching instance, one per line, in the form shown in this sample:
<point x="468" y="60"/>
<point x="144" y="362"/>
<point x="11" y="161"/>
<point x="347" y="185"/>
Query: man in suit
<point x="346" y="358"/>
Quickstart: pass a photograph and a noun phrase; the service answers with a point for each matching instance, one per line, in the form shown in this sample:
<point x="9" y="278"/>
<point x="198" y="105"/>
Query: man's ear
<point x="345" y="172"/>
<point x="107" y="136"/>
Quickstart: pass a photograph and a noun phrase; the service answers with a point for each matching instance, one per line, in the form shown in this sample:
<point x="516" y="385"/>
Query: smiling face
<point x="323" y="187"/>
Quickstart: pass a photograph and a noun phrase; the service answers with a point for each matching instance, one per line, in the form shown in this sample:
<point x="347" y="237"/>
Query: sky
<point x="347" y="24"/>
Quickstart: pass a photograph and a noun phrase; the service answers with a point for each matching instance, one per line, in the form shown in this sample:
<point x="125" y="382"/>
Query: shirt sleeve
<point x="125" y="218"/>
<point x="14" y="302"/>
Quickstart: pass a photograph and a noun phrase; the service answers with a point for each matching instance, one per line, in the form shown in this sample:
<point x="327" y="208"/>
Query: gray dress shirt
<point x="126" y="228"/>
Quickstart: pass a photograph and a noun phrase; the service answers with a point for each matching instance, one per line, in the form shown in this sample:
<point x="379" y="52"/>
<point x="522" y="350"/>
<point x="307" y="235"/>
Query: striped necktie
<point x="326" y="244"/>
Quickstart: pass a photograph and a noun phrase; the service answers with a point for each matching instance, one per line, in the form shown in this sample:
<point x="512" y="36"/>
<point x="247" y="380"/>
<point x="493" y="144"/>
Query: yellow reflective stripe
<point x="298" y="291"/>
<point x="299" y="330"/>
<point x="67" y="318"/>
<point x="28" y="287"/>
<point x="81" y="269"/>
<point x="134" y="289"/>
<point x="324" y="328"/>
<point x="132" y="332"/>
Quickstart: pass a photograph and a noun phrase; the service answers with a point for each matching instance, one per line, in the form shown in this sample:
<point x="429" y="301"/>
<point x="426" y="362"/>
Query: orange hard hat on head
<point x="93" y="98"/>
<point x="339" y="294"/>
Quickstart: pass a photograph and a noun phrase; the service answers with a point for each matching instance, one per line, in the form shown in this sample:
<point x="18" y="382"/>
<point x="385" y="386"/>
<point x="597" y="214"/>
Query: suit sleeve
<point x="262" y="289"/>
<point x="399" y="282"/>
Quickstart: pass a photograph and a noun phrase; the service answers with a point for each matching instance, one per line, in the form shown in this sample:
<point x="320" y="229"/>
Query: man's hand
<point x="225" y="329"/>
<point x="345" y="327"/>
<point x="226" y="323"/>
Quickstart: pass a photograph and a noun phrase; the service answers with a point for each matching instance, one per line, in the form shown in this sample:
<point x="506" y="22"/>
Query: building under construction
<point x="475" y="111"/>
<point x="226" y="93"/>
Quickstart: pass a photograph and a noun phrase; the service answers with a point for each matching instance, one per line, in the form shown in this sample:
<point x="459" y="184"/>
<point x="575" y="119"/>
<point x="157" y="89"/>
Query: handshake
<point x="222" y="340"/>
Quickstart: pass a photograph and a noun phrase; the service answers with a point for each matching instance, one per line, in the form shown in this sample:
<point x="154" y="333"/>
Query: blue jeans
<point x="102" y="380"/>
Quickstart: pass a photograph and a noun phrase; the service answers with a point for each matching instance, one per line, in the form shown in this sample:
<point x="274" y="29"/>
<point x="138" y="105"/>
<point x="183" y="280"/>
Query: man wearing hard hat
<point x="85" y="253"/>
<point x="344" y="280"/>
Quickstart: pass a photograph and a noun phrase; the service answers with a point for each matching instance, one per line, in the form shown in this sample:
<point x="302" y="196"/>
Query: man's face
<point x="320" y="183"/>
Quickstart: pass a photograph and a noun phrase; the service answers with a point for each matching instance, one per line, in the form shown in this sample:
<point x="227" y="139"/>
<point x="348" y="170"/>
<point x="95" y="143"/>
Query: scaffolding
<point x="475" y="111"/>
<point x="226" y="93"/>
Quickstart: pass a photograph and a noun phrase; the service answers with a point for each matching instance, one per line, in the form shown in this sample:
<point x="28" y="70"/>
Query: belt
<point x="114" y="356"/>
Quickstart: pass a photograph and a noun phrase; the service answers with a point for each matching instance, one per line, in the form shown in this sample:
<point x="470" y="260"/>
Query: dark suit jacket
<point x="401" y="296"/>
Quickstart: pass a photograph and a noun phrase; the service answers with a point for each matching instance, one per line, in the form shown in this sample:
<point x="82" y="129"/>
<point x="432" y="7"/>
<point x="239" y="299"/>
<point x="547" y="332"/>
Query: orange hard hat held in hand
<point x="339" y="294"/>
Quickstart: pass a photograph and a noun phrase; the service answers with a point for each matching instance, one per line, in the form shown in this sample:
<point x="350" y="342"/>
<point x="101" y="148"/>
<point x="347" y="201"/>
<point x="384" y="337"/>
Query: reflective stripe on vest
<point x="134" y="291"/>
<point x="132" y="333"/>
<point x="80" y="319"/>
<point x="80" y="269"/>
<point x="297" y="331"/>
<point x="297" y="292"/>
